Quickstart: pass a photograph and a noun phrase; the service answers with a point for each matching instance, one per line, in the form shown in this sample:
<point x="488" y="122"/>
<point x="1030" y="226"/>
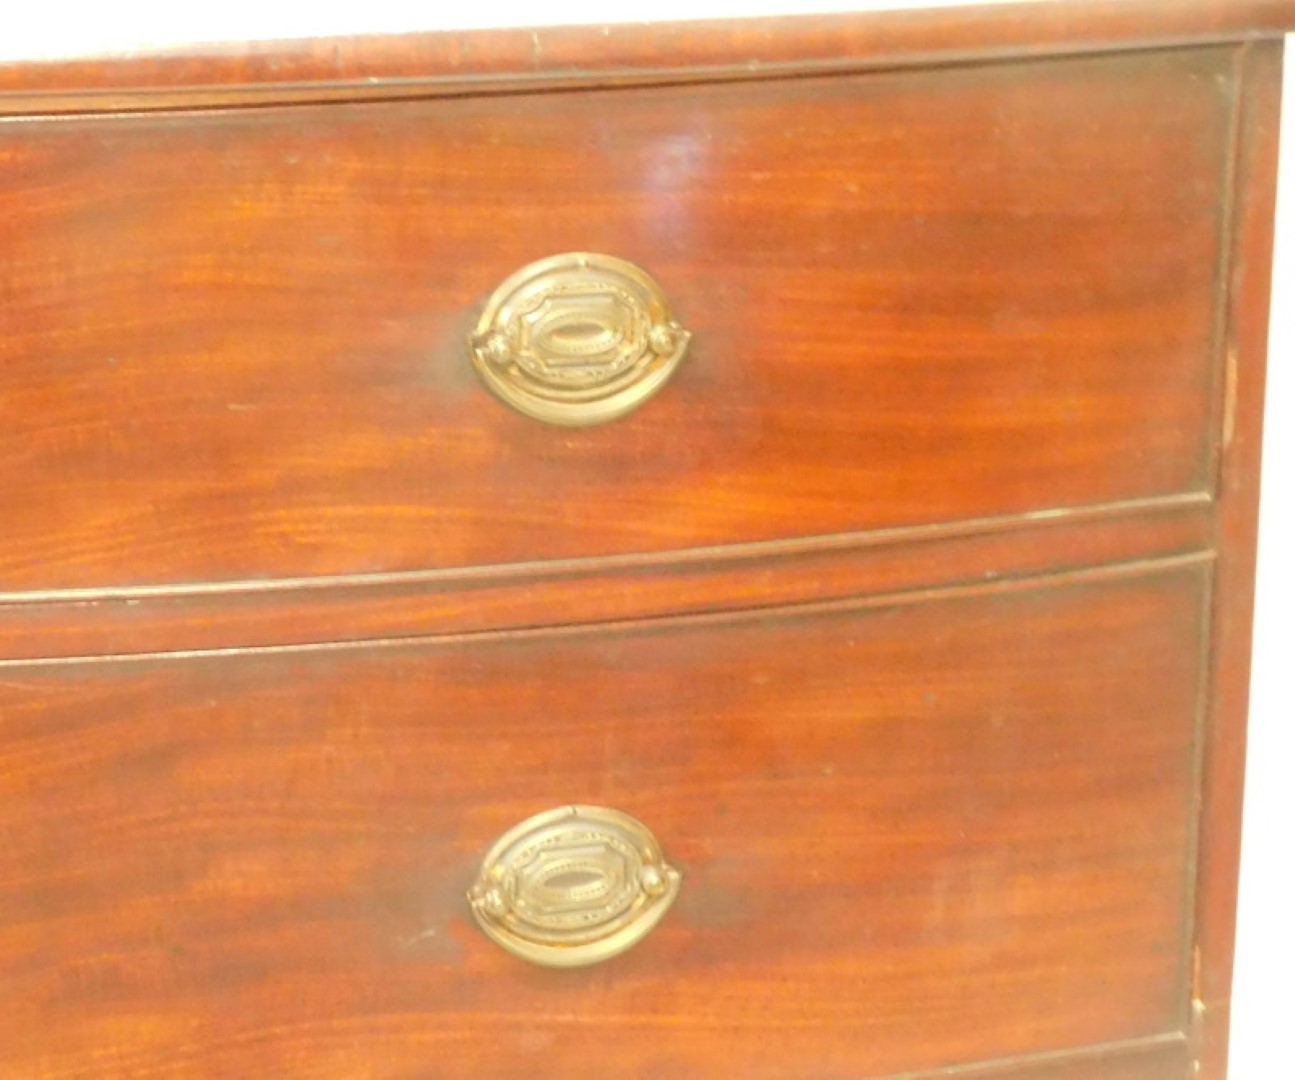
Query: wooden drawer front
<point x="916" y="835"/>
<point x="234" y="343"/>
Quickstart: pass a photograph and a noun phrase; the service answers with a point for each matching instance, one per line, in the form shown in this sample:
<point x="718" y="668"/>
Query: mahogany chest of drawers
<point x="713" y="550"/>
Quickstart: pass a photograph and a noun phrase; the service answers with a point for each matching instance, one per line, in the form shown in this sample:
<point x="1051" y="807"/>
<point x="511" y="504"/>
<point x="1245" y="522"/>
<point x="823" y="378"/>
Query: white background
<point x="1264" y="993"/>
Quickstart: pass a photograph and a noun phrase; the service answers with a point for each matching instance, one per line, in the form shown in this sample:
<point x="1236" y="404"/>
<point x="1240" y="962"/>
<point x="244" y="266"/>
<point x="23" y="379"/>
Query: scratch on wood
<point x="409" y="943"/>
<point x="1230" y="397"/>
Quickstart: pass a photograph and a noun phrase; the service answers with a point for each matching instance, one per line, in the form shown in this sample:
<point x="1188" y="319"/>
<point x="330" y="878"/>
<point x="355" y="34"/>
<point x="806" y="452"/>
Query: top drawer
<point x="234" y="342"/>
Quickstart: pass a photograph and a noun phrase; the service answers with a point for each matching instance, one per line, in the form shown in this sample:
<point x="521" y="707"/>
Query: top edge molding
<point x="503" y="60"/>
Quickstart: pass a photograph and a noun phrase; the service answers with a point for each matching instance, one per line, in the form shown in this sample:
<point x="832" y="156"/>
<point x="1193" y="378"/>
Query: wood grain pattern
<point x="1237" y="523"/>
<point x="1156" y="1058"/>
<point x="232" y="344"/>
<point x="912" y="838"/>
<point x="939" y="815"/>
<point x="491" y="61"/>
<point x="601" y="590"/>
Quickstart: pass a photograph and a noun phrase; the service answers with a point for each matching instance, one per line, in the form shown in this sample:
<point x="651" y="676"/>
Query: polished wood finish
<point x="911" y="837"/>
<point x="1250" y="266"/>
<point x="236" y="342"/>
<point x="1143" y="1059"/>
<point x="453" y="64"/>
<point x="912" y="617"/>
<point x="309" y="610"/>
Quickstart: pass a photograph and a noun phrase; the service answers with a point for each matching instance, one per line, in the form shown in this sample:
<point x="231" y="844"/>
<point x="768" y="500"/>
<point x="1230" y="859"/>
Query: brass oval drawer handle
<point x="577" y="339"/>
<point x="573" y="886"/>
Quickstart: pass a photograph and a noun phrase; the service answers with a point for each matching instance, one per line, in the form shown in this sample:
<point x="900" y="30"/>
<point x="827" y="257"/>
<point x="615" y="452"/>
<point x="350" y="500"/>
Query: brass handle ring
<point x="577" y="339"/>
<point x="573" y="886"/>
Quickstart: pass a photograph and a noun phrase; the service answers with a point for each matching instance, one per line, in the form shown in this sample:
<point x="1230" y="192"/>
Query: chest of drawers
<point x="717" y="550"/>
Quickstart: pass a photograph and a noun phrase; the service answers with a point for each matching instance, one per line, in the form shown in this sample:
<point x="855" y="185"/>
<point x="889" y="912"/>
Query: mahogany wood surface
<point x="913" y="616"/>
<point x="1236" y="526"/>
<point x="1142" y="1059"/>
<point x="611" y="54"/>
<point x="600" y="590"/>
<point x="911" y="837"/>
<point x="232" y="344"/>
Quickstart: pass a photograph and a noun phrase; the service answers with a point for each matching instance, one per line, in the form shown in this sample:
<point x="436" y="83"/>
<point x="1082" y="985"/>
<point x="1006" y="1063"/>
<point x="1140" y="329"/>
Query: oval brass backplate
<point x="577" y="339"/>
<point x="573" y="886"/>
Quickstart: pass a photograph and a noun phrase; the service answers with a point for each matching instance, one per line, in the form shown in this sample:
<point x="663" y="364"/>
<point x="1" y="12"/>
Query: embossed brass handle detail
<point x="577" y="339"/>
<point x="573" y="886"/>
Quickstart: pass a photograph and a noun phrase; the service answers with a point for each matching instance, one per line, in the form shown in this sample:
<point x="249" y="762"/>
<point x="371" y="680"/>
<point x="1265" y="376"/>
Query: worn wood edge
<point x="724" y="553"/>
<point x="1159" y="1054"/>
<point x="55" y="105"/>
<point x="511" y="60"/>
<point x="1240" y="438"/>
<point x="1221" y="402"/>
<point x="1219" y="434"/>
<point x="1198" y="561"/>
<point x="1188" y="954"/>
<point x="400" y="608"/>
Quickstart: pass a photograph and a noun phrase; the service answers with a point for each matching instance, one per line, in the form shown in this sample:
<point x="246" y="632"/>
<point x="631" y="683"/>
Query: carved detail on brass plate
<point x="577" y="339"/>
<point x="573" y="886"/>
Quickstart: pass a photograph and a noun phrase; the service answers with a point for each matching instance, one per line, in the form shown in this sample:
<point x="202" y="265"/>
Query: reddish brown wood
<point x="940" y="814"/>
<point x="1151" y="1059"/>
<point x="1237" y="524"/>
<point x="540" y="594"/>
<point x="232" y="344"/>
<point x="455" y="63"/>
<point x="912" y="837"/>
